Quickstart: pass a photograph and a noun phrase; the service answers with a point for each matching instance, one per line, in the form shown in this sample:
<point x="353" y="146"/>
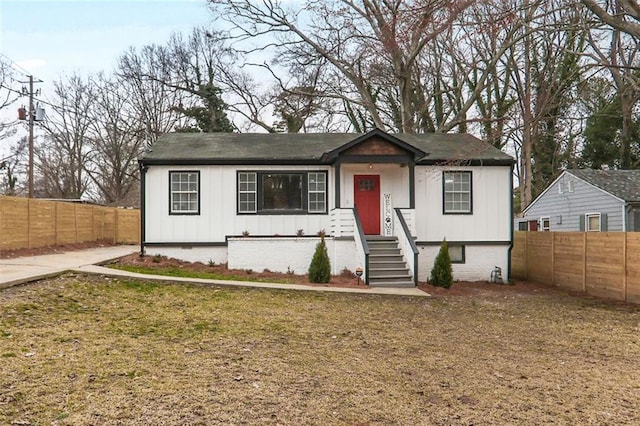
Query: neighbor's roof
<point x="248" y="148"/>
<point x="624" y="184"/>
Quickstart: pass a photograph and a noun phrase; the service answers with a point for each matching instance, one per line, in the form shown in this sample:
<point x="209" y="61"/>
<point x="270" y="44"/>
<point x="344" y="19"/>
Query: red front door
<point x="367" y="201"/>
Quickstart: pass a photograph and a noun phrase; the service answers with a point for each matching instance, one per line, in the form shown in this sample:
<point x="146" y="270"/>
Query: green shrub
<point x="320" y="268"/>
<point x="441" y="273"/>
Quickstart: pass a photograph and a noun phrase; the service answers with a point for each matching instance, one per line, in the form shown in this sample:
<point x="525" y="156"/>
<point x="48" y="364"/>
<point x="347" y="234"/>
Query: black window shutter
<point x="604" y="222"/>
<point x="581" y="219"/>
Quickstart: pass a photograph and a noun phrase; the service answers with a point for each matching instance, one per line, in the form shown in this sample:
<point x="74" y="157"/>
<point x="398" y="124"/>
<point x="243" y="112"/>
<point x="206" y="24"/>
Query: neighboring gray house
<point x="586" y="200"/>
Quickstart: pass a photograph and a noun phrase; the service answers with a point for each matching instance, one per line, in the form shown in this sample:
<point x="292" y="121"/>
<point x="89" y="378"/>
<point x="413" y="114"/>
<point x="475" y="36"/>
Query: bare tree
<point x="142" y="75"/>
<point x="545" y="68"/>
<point x="620" y="56"/>
<point x="370" y="46"/>
<point x="623" y="15"/>
<point x="65" y="150"/>
<point x="117" y="139"/>
<point x="187" y="67"/>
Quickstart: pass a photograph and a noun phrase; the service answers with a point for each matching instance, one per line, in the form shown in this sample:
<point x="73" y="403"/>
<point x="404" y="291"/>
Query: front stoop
<point x="387" y="267"/>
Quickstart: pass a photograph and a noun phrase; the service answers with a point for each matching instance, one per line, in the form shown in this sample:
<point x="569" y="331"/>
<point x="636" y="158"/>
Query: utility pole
<point x="32" y="118"/>
<point x="31" y="112"/>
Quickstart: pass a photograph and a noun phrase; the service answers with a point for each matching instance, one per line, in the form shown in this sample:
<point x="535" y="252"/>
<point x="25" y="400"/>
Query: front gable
<point x="376" y="146"/>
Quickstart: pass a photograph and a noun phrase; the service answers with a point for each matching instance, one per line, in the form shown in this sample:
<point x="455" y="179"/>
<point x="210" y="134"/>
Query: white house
<point x="384" y="202"/>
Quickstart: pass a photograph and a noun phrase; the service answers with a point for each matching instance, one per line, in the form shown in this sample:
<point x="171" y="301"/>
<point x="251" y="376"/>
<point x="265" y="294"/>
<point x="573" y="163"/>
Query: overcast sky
<point x="52" y="38"/>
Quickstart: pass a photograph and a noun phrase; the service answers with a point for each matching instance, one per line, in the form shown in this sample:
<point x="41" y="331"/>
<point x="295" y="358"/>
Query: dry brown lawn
<point x="91" y="350"/>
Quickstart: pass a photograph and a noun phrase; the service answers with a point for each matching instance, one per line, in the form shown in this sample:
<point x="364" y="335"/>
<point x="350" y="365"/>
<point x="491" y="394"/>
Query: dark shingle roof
<point x="624" y="184"/>
<point x="220" y="148"/>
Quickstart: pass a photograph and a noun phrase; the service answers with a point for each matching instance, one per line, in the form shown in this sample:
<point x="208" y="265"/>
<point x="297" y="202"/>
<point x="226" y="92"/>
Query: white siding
<point x="218" y="216"/>
<point x="564" y="209"/>
<point x="190" y="254"/>
<point x="393" y="180"/>
<point x="480" y="260"/>
<point x="277" y="254"/>
<point x="491" y="198"/>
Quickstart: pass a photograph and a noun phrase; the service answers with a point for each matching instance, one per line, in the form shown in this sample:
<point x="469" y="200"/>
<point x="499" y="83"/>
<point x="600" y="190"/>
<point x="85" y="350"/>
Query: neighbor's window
<point x="456" y="253"/>
<point x="247" y="190"/>
<point x="457" y="192"/>
<point x="184" y="192"/>
<point x="282" y="192"/>
<point x="592" y="222"/>
<point x="545" y="224"/>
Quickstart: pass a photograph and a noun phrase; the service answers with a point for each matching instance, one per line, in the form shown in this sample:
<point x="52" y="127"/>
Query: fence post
<point x="584" y="262"/>
<point x="115" y="225"/>
<point x="526" y="256"/>
<point x="29" y="222"/>
<point x="553" y="258"/>
<point x="624" y="266"/>
<point x="55" y="217"/>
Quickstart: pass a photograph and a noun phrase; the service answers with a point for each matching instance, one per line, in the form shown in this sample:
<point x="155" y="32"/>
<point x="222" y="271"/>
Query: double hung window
<point x="457" y="195"/>
<point x="184" y="192"/>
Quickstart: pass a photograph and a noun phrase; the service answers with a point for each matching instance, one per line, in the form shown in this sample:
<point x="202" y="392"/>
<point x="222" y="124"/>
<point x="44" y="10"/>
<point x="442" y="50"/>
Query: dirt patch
<point x="346" y="279"/>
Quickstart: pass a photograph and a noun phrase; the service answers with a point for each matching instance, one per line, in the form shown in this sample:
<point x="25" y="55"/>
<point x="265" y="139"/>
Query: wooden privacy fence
<point x="604" y="264"/>
<point x="32" y="223"/>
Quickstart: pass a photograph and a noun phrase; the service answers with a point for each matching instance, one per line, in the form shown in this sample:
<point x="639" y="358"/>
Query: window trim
<point x="255" y="192"/>
<point x="309" y="192"/>
<point x="586" y="222"/>
<point x="542" y="227"/>
<point x="198" y="192"/>
<point x="444" y="202"/>
<point x="463" y="254"/>
<point x="305" y="193"/>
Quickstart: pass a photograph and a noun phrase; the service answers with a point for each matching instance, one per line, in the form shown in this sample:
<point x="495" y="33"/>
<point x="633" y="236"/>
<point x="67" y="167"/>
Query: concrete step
<point x="394" y="263"/>
<point x="388" y="251"/>
<point x="380" y="257"/>
<point x="389" y="278"/>
<point x="382" y="244"/>
<point x="392" y="284"/>
<point x="375" y="272"/>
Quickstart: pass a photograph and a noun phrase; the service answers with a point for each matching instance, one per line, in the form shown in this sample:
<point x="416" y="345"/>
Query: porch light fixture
<point x="370" y="166"/>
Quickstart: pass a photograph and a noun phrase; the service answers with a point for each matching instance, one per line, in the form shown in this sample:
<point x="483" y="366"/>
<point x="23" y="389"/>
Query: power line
<point x="21" y="69"/>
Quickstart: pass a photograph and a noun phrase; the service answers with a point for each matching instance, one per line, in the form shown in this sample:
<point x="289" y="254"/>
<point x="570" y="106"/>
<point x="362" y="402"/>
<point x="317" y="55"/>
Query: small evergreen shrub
<point x="441" y="273"/>
<point x="320" y="268"/>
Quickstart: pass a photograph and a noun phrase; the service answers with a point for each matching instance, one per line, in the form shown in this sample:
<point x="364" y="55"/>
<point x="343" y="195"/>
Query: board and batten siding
<point x="394" y="180"/>
<point x="565" y="209"/>
<point x="218" y="216"/>
<point x="491" y="204"/>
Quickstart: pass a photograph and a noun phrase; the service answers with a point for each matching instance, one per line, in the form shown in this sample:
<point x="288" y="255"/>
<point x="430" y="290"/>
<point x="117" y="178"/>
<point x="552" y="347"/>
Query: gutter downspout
<point x="143" y="173"/>
<point x="511" y="225"/>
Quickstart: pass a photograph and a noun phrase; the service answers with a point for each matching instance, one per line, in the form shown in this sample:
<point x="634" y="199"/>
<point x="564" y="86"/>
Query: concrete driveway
<point x="21" y="270"/>
<point x="30" y="268"/>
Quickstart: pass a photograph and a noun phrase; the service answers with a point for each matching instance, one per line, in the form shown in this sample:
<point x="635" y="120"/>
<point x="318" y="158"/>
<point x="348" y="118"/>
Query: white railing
<point x="342" y="223"/>
<point x="362" y="246"/>
<point x="409" y="216"/>
<point x="406" y="241"/>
